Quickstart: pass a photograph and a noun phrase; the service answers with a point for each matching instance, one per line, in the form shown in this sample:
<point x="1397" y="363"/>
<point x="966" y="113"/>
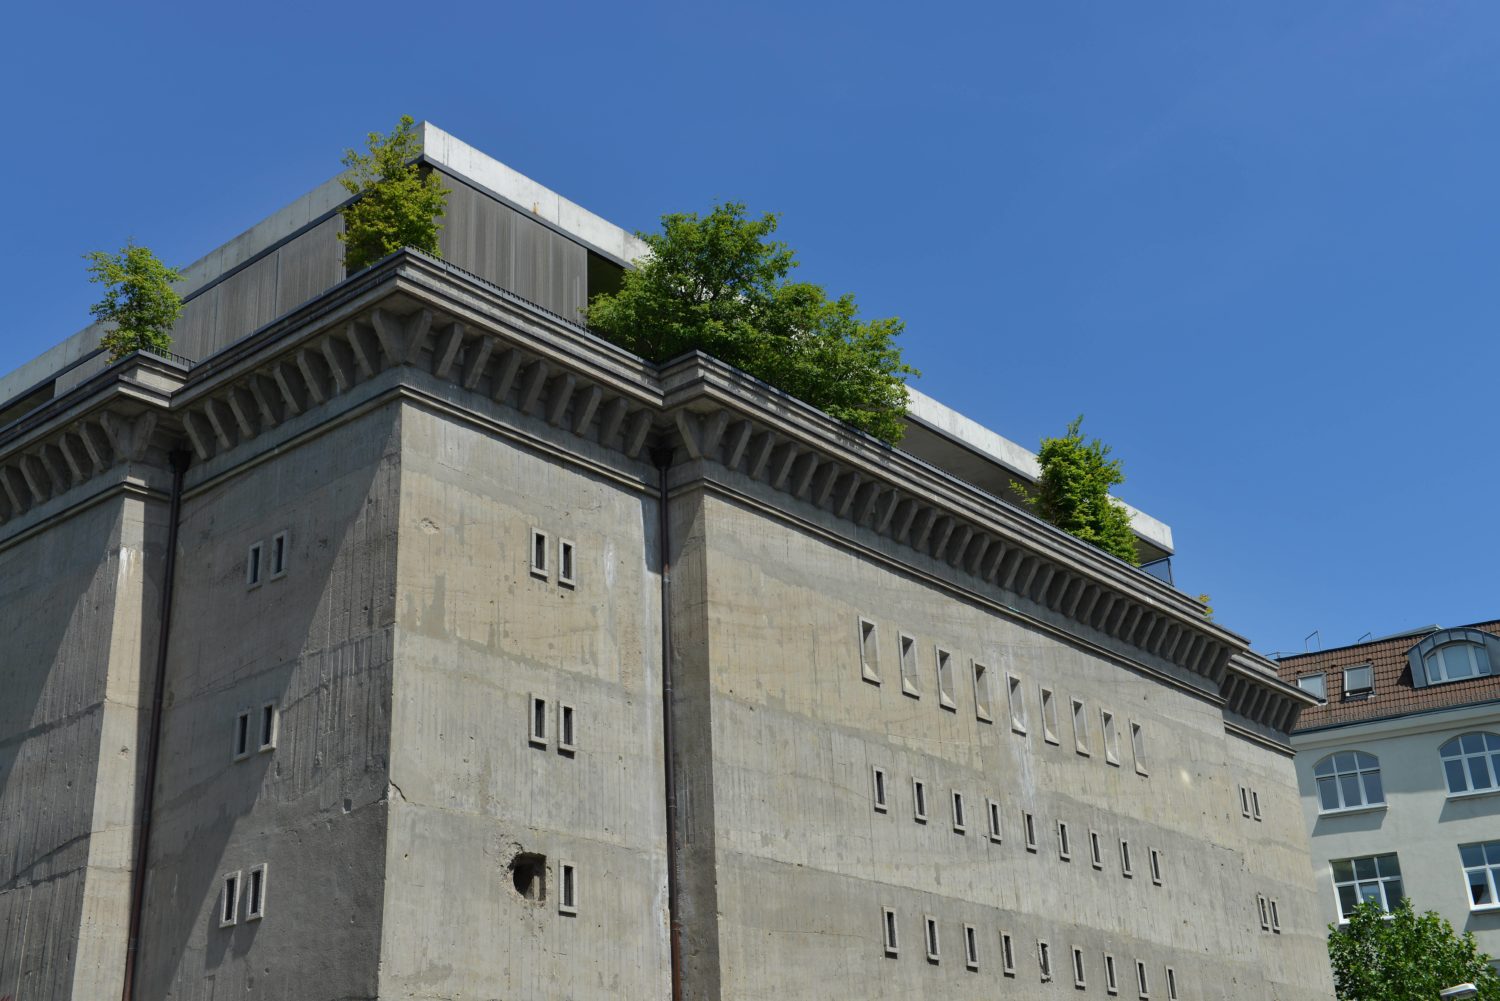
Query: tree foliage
<point x="1073" y="492"/>
<point x="718" y="284"/>
<point x="399" y="203"/>
<point x="1404" y="956"/>
<point x="138" y="299"/>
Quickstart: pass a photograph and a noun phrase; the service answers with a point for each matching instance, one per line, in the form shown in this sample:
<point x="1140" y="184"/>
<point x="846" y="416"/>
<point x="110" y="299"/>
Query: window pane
<point x="1472" y="742"/>
<point x="1373" y="792"/>
<point x="1393" y="894"/>
<point x="1349" y="786"/>
<point x="1472" y="855"/>
<point x="1343" y="871"/>
<point x="1491" y="741"/>
<point x="1366" y="761"/>
<point x="1482" y="658"/>
<point x="1344" y="761"/>
<point x="1492" y="852"/>
<point x="1479" y="773"/>
<point x="1347" y="900"/>
<point x="1452" y="748"/>
<point x="1389" y="865"/>
<point x="1479" y="886"/>
<point x="1434" y="668"/>
<point x="1324" y="767"/>
<point x="1364" y="868"/>
<point x="1457" y="781"/>
<point x="1369" y="891"/>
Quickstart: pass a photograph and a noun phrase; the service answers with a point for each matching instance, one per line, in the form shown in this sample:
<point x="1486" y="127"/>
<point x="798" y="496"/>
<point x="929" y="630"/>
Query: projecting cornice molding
<point x="520" y="363"/>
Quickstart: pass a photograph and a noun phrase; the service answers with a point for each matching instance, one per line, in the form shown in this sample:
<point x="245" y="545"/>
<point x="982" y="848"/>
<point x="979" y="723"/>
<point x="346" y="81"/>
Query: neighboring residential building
<point x="1400" y="773"/>
<point x="459" y="653"/>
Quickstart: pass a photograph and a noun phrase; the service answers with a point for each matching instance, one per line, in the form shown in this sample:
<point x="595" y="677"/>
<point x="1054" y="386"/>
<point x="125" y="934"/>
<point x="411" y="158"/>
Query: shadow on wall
<point x="1473" y="808"/>
<point x="1348" y="823"/>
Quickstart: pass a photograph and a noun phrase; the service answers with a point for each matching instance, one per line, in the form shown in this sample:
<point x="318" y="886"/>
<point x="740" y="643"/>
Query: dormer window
<point x="1456" y="661"/>
<point x="1359" y="681"/>
<point x="1315" y="685"/>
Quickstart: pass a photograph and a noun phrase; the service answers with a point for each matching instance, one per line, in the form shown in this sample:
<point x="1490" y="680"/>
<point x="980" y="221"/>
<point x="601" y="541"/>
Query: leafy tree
<point x="1073" y="492"/>
<point x="138" y="299"/>
<point x="718" y="284"/>
<point x="399" y="203"/>
<point x="1404" y="956"/>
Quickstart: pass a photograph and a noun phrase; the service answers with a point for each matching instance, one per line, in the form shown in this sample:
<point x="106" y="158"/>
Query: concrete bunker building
<point x="495" y="662"/>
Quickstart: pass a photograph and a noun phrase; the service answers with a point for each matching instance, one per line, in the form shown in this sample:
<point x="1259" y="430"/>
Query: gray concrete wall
<point x="317" y="644"/>
<point x="477" y="634"/>
<point x="78" y="608"/>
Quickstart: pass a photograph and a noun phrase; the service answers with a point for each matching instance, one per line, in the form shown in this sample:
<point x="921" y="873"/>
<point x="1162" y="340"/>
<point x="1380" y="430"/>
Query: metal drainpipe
<point x="180" y="460"/>
<point x="662" y="458"/>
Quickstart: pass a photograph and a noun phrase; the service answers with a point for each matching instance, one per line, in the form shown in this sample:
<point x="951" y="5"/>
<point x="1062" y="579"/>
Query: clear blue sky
<point x="1255" y="243"/>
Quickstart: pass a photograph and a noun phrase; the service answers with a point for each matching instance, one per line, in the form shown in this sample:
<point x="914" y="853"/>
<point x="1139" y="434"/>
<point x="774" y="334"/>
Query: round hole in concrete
<point x="528" y="873"/>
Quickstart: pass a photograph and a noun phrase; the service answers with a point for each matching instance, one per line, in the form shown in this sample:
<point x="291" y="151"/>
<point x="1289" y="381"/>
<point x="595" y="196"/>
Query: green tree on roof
<point x="399" y="202"/>
<point x="138" y="299"/>
<point x="1073" y="492"/>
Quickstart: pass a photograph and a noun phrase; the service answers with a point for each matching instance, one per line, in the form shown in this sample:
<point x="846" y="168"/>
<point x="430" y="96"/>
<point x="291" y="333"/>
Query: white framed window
<point x="1141" y="979"/>
<point x="1481" y="864"/>
<point x="229" y="899"/>
<point x="1079" y="979"/>
<point x="1347" y="780"/>
<point x="1111" y="981"/>
<point x="1265" y="911"/>
<point x="539" y="545"/>
<point x="877" y="781"/>
<point x="279" y="554"/>
<point x="1081" y="728"/>
<point x="1007" y="954"/>
<point x="253" y="560"/>
<point x="1255" y="804"/>
<point x="567" y="568"/>
<point x="240" y="742"/>
<point x="888" y="930"/>
<point x="1245" y="802"/>
<point x="1275" y="916"/>
<point x="1315" y="685"/>
<point x="1456" y="661"/>
<point x="992" y="810"/>
<point x="1138" y="746"/>
<point x="982" y="700"/>
<point x="1017" y="703"/>
<point x="869" y="652"/>
<point x="1028" y="826"/>
<point x="1064" y="845"/>
<point x="919" y="801"/>
<point x="1096" y="851"/>
<point x="1372" y="877"/>
<point x="1471" y="763"/>
<point x="269" y="719"/>
<point x="1359" y="681"/>
<point x="1127" y="868"/>
<point x="1155" y="858"/>
<point x="537" y="724"/>
<point x="567" y="729"/>
<point x="934" y="947"/>
<point x="971" y="948"/>
<point x="959" y="826"/>
<point x="1044" y="959"/>
<point x="909" y="683"/>
<point x="945" y="679"/>
<point x="567" y="895"/>
<point x="1049" y="716"/>
<point x="255" y="893"/>
<point x="1111" y="739"/>
<point x="1171" y="984"/>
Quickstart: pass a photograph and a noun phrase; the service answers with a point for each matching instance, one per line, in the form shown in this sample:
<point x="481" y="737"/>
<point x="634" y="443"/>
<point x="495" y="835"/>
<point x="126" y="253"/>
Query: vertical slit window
<point x="255" y="904"/>
<point x="1265" y="915"/>
<point x="252" y="565"/>
<point x="1244" y="802"/>
<point x="1007" y="954"/>
<point x="982" y="692"/>
<point x="945" y="679"/>
<point x="1127" y="868"/>
<point x="229" y="900"/>
<point x="958" y="812"/>
<point x="538" y="721"/>
<point x="566" y="571"/>
<point x="567" y="898"/>
<point x="1141" y="981"/>
<point x="877" y="778"/>
<point x="1111" y="981"/>
<point x="1079" y="980"/>
<point x="971" y="948"/>
<point x="241" y="743"/>
<point x="1275" y="917"/>
<point x="268" y="726"/>
<point x="1171" y="984"/>
<point x="1111" y="739"/>
<point x="1254" y="804"/>
<point x="919" y="800"/>
<point x="1064" y="845"/>
<point x="909" y="666"/>
<point x="888" y="924"/>
<point x="1044" y="959"/>
<point x="1080" y="728"/>
<point x="1096" y="852"/>
<point x="1155" y="866"/>
<point x="278" y="555"/>
<point x="993" y="810"/>
<point x="869" y="652"/>
<point x="1017" y="703"/>
<point x="567" y="737"/>
<point x="1138" y="746"/>
<point x="1028" y="824"/>
<point x="933" y="947"/>
<point x="1049" y="717"/>
<point x="539" y="553"/>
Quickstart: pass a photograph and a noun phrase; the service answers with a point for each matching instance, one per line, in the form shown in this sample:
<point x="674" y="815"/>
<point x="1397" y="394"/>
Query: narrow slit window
<point x="241" y="744"/>
<point x="919" y="800"/>
<point x="268" y="721"/>
<point x="1254" y="804"/>
<point x="229" y="900"/>
<point x="567" y="735"/>
<point x="566" y="570"/>
<point x="909" y="666"/>
<point x="1138" y="746"/>
<point x="993" y="809"/>
<point x="252" y="564"/>
<point x="567" y="897"/>
<point x="1079" y="980"/>
<point x="1017" y="704"/>
<point x="255" y="894"/>
<point x="1244" y="802"/>
<point x="934" y="949"/>
<point x="1096" y="852"/>
<point x="1265" y="914"/>
<point x="1141" y="981"/>
<point x="1044" y="959"/>
<point x="1171" y="984"/>
<point x="1111" y="739"/>
<point x="982" y="692"/>
<point x="1064" y="845"/>
<point x="539" y="553"/>
<point x="1111" y="981"/>
<point x="1007" y="955"/>
<point x="877" y="778"/>
<point x="971" y="947"/>
<point x="1155" y="867"/>
<point x="869" y="652"/>
<point x="945" y="679"/>
<point x="1049" y="717"/>
<point x="278" y="555"/>
<point x="1028" y="824"/>
<point x="1081" y="728"/>
<point x="538" y="722"/>
<point x="958" y="812"/>
<point x="888" y="924"/>
<point x="1275" y="917"/>
<point x="1127" y="868"/>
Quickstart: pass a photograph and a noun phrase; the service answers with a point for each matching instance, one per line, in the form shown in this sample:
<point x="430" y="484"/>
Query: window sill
<point x="1475" y="794"/>
<point x="1352" y="810"/>
<point x="1485" y="909"/>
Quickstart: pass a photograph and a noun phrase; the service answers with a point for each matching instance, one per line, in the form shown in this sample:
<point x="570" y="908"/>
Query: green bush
<point x="1404" y="956"/>
<point x="398" y="204"/>
<point x="138" y="299"/>
<point x="1073" y="492"/>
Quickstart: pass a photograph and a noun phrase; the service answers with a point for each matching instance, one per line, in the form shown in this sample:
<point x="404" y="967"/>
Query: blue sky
<point x="1255" y="243"/>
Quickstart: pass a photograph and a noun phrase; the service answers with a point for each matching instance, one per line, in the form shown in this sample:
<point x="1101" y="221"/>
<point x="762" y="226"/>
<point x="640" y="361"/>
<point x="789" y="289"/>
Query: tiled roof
<point x="1394" y="694"/>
